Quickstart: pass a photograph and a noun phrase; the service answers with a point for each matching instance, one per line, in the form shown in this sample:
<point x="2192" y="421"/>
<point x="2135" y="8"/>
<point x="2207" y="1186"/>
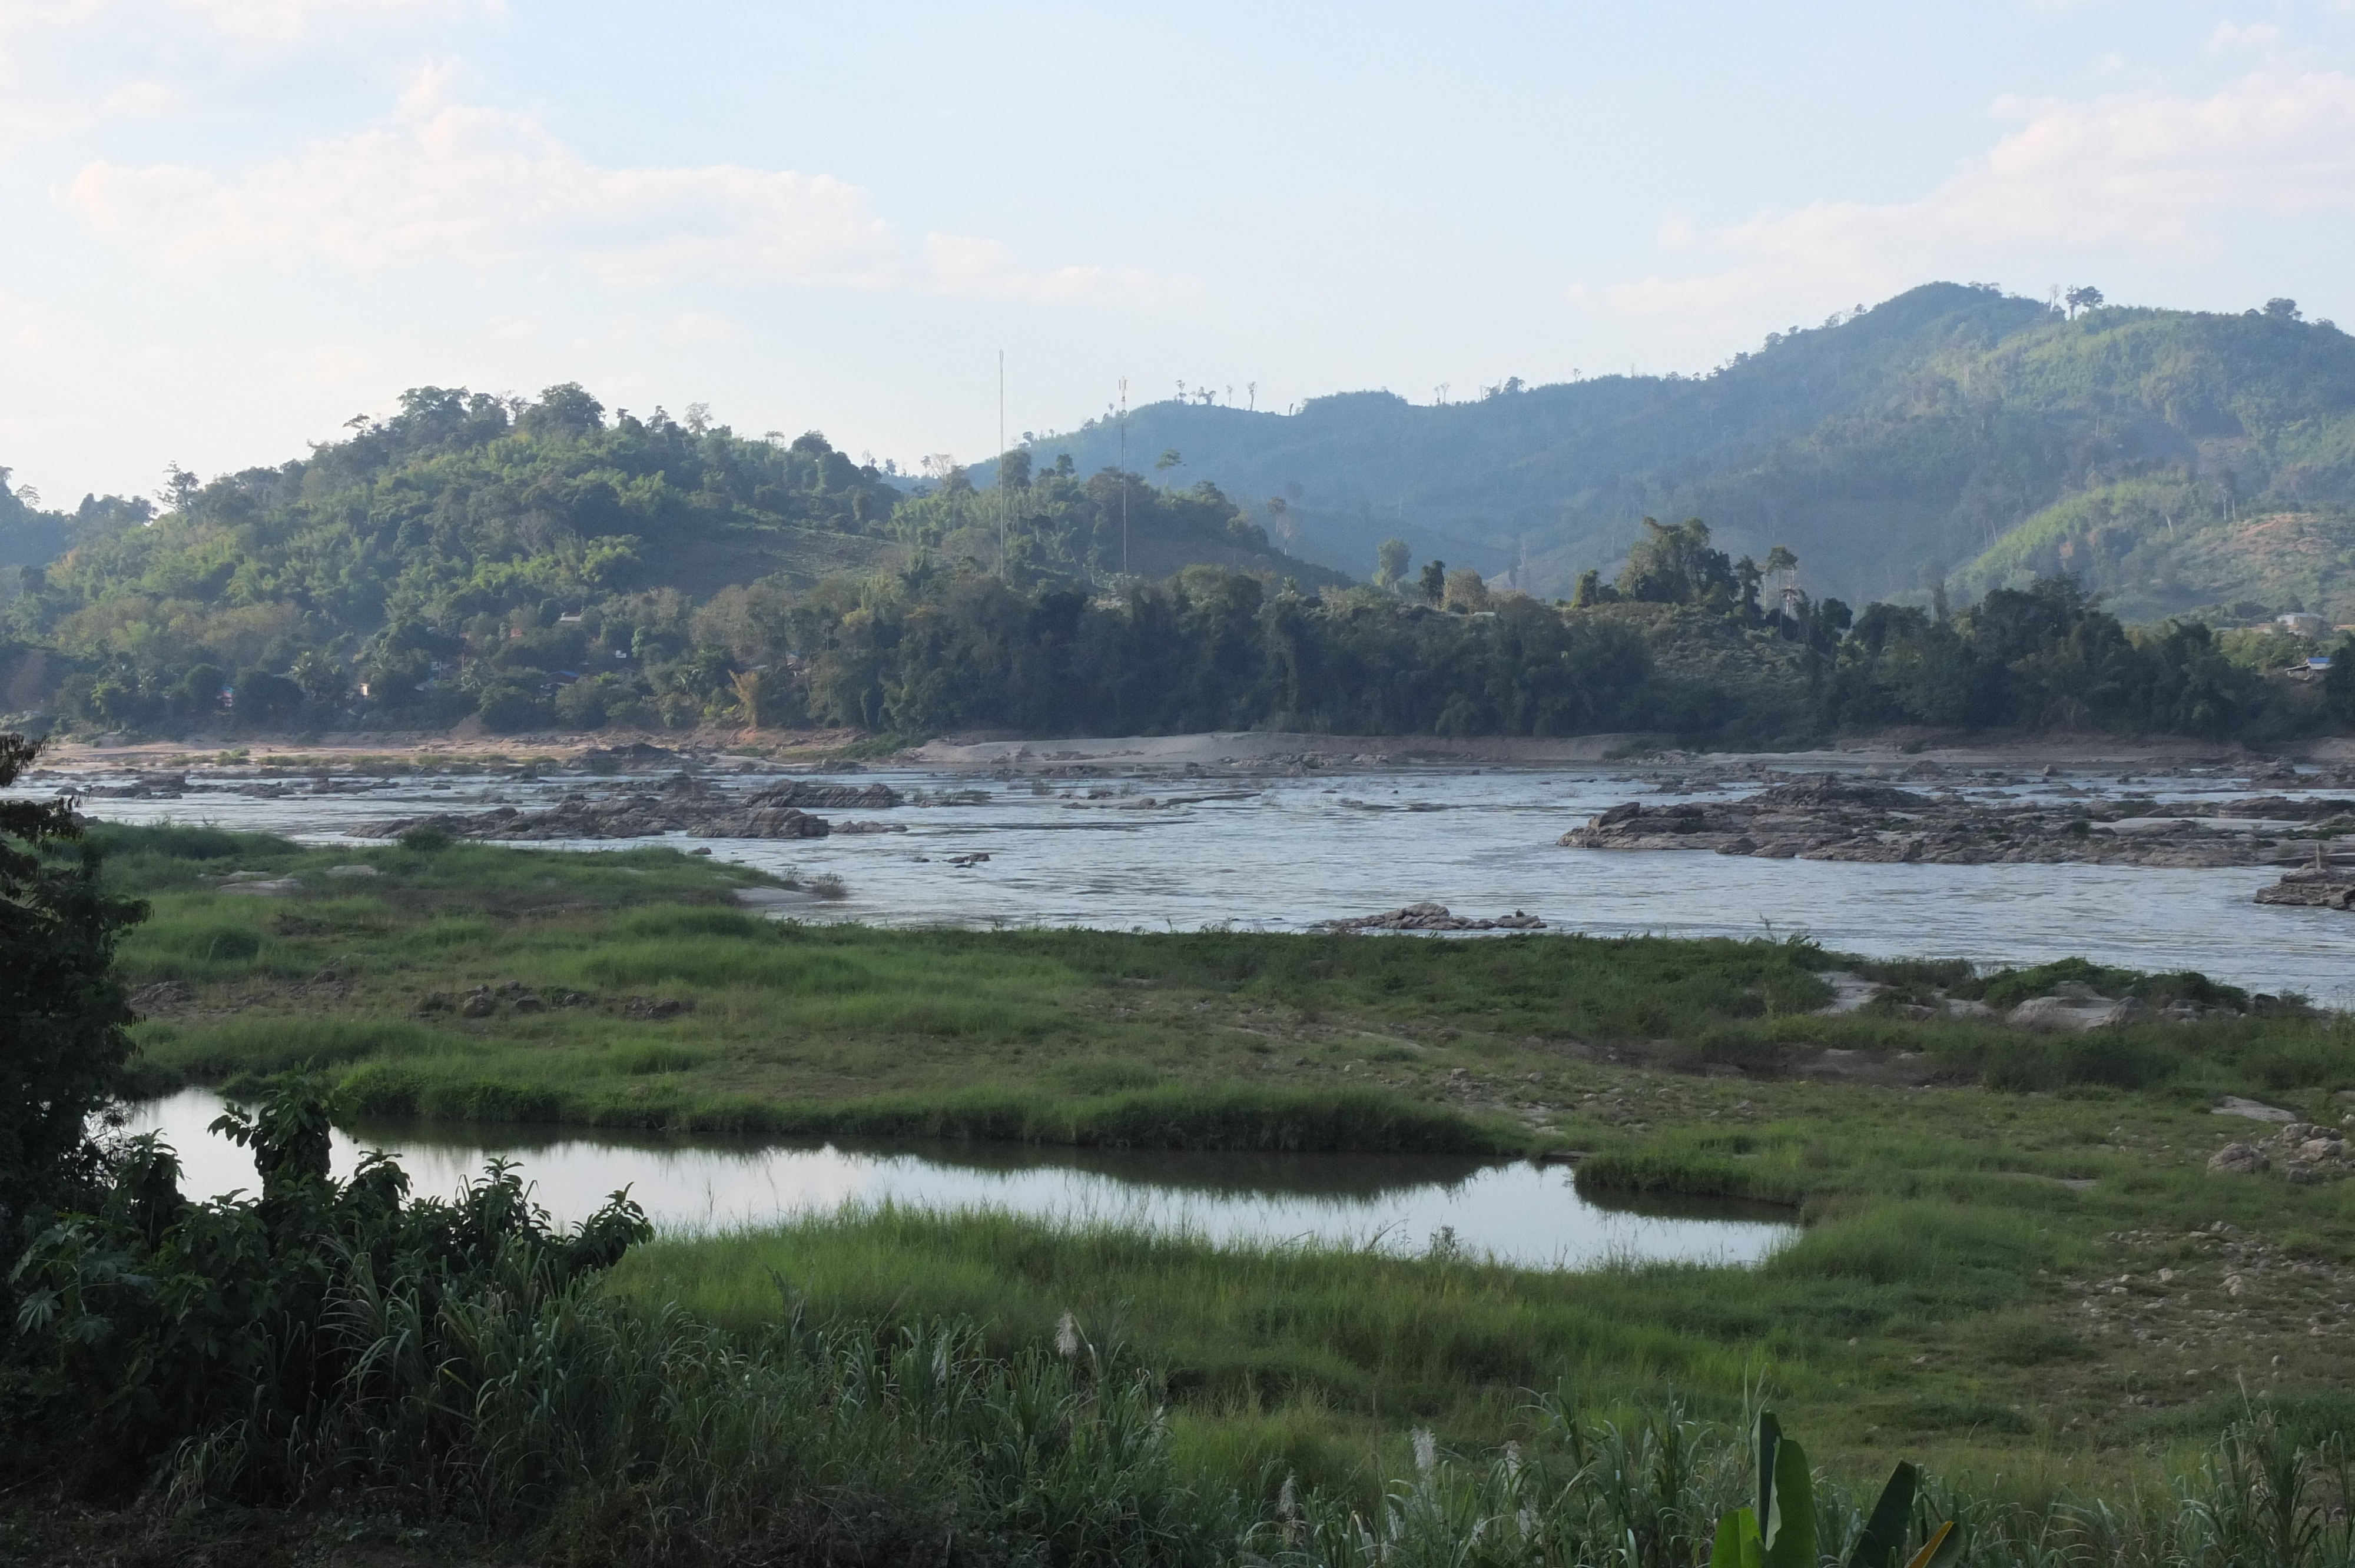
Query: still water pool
<point x="1519" y="1213"/>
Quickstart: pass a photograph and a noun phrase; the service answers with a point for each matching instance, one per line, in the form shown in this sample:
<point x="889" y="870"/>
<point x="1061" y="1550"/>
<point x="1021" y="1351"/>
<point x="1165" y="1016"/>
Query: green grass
<point x="1986" y="1212"/>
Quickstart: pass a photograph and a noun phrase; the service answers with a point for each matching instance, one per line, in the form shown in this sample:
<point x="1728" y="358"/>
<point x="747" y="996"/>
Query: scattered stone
<point x="648" y="1007"/>
<point x="1428" y="917"/>
<point x="2302" y="1151"/>
<point x="479" y="1004"/>
<point x="865" y="827"/>
<point x="162" y="994"/>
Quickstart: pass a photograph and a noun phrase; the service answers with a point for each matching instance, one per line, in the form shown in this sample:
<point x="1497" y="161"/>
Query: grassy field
<point x="2016" y="1261"/>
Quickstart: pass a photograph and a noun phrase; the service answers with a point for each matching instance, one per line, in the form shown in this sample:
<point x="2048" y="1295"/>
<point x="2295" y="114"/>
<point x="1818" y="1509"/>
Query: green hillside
<point x="536" y="562"/>
<point x="1886" y="447"/>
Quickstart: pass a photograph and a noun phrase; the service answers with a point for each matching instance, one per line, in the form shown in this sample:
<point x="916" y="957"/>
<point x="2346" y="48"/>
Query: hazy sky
<point x="231" y="225"/>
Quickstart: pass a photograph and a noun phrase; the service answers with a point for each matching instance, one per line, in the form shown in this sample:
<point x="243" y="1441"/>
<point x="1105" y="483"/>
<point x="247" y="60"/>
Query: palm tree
<point x="748" y="684"/>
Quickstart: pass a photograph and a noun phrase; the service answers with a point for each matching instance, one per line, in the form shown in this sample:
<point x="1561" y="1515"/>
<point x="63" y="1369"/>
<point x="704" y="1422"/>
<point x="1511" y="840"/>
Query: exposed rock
<point x="637" y="754"/>
<point x="353" y="870"/>
<point x="142" y="787"/>
<point x="685" y="805"/>
<point x="265" y="887"/>
<point x="162" y="994"/>
<point x="1430" y="916"/>
<point x="2074" y="1014"/>
<point x="2254" y="1110"/>
<point x="2301" y="1151"/>
<point x="2282" y="809"/>
<point x="1829" y="817"/>
<point x="1850" y="991"/>
<point x="814" y="795"/>
<point x="2313" y="887"/>
<point x="648" y="1007"/>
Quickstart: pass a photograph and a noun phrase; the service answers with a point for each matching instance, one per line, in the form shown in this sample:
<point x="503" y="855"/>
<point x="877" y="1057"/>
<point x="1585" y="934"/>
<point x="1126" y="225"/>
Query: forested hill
<point x="471" y="553"/>
<point x="1884" y="447"/>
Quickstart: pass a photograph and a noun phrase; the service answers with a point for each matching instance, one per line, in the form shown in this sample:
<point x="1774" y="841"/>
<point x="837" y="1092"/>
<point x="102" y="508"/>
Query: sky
<point x="229" y="226"/>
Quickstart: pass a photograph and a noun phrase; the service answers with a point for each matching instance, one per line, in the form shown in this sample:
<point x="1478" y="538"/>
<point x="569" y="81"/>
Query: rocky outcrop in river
<point x="1428" y="917"/>
<point x="2314" y="888"/>
<point x="684" y="805"/>
<point x="1831" y="818"/>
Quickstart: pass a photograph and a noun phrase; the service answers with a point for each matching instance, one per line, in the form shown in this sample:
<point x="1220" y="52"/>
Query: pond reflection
<point x="1521" y="1214"/>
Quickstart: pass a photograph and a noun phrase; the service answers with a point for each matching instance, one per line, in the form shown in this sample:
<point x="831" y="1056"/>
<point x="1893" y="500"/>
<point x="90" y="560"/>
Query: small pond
<point x="1520" y="1213"/>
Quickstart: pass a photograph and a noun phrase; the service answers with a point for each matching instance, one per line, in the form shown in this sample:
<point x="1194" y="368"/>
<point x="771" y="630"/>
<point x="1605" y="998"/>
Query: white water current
<point x="1297" y="850"/>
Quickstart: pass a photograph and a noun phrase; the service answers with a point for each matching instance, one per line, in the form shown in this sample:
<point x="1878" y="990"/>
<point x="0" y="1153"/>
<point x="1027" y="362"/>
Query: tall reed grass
<point x="334" y="1346"/>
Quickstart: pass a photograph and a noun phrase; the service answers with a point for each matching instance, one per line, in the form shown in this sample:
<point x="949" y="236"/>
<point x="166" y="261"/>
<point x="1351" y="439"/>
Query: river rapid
<point x="1156" y="849"/>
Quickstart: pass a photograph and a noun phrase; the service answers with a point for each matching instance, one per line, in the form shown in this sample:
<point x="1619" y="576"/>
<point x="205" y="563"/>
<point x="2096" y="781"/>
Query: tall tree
<point x="62" y="1014"/>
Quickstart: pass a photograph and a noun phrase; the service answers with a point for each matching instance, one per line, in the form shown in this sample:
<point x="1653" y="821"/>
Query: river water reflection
<point x="1520" y="1213"/>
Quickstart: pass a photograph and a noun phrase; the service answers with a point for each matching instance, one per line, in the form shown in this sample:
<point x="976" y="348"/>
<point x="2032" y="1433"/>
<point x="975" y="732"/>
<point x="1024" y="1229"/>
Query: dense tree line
<point x="1687" y="641"/>
<point x="542" y="563"/>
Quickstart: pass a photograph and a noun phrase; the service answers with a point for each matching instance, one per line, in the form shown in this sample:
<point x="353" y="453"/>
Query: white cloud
<point x="443" y="182"/>
<point x="22" y="327"/>
<point x="67" y="65"/>
<point x="288" y="20"/>
<point x="2141" y="174"/>
<point x="961" y="264"/>
<point x="276" y="21"/>
<point x="326" y="365"/>
<point x="2249" y="38"/>
<point x="447" y="183"/>
<point x="694" y="326"/>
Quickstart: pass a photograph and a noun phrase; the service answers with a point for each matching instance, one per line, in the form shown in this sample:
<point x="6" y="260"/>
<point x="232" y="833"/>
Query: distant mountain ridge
<point x="1953" y="432"/>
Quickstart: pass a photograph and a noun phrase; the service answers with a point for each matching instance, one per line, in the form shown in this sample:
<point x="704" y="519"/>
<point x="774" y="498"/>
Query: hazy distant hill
<point x="1952" y="430"/>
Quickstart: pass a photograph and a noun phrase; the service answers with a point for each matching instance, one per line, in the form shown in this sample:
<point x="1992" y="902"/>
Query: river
<point x="1295" y="849"/>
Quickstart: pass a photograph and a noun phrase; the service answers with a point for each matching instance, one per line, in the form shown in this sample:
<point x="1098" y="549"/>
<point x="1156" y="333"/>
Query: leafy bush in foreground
<point x="332" y="1346"/>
